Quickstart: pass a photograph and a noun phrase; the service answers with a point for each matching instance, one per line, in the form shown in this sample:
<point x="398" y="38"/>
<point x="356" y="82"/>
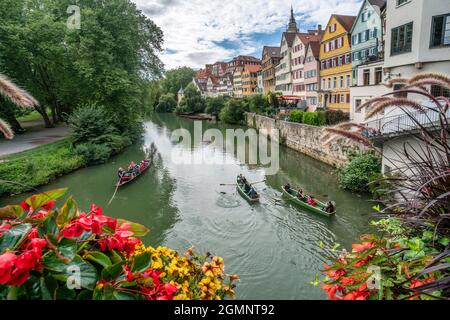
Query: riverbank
<point x="306" y="139"/>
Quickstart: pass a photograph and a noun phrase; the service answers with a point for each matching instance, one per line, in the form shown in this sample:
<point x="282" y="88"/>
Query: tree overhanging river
<point x="273" y="247"/>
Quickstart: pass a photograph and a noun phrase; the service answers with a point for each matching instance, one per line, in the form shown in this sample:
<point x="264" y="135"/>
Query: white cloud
<point x="194" y="29"/>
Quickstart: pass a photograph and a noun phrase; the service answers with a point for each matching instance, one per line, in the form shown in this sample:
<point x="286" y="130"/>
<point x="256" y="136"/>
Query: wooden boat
<point x="319" y="208"/>
<point x="194" y="116"/>
<point x="122" y="183"/>
<point x="240" y="187"/>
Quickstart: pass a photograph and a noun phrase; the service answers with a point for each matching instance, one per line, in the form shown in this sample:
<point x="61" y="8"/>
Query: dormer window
<point x="365" y="16"/>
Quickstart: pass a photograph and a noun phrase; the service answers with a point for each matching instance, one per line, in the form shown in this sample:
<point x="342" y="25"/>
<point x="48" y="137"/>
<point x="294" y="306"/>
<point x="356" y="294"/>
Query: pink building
<point x="311" y="74"/>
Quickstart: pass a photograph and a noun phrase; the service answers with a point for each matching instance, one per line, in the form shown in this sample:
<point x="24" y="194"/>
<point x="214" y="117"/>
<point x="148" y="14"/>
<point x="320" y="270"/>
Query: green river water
<point x="273" y="247"/>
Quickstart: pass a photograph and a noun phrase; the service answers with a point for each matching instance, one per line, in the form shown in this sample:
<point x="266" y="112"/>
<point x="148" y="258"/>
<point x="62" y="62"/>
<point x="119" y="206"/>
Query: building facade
<point x="241" y="61"/>
<point x="335" y="64"/>
<point x="299" y="48"/>
<point x="366" y="35"/>
<point x="250" y="80"/>
<point x="237" y="82"/>
<point x="271" y="57"/>
<point x="311" y="72"/>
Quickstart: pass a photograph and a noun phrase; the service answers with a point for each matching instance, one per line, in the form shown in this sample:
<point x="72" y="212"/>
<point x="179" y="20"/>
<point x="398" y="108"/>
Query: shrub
<point x="167" y="103"/>
<point x="93" y="153"/>
<point x="215" y="105"/>
<point x="310" y="118"/>
<point x="192" y="100"/>
<point x="321" y="118"/>
<point x="336" y="116"/>
<point x="43" y="247"/>
<point x="361" y="170"/>
<point x="89" y="123"/>
<point x="233" y="112"/>
<point x="296" y="115"/>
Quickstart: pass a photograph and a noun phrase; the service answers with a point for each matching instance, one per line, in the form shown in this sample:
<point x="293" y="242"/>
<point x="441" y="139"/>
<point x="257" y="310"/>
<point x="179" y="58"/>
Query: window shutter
<point x="348" y="98"/>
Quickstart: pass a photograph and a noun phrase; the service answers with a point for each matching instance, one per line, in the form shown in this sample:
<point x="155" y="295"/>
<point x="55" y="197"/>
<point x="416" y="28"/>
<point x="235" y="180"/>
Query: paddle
<point x="235" y="184"/>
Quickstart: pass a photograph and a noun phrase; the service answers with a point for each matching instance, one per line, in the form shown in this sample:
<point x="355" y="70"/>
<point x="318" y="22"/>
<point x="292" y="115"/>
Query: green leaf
<point x="14" y="236"/>
<point x="64" y="293"/>
<point x="141" y="262"/>
<point x="38" y="200"/>
<point x="99" y="258"/>
<point x="115" y="257"/>
<point x="11" y="212"/>
<point x="124" y="295"/>
<point x="87" y="273"/>
<point x="67" y="248"/>
<point x="113" y="271"/>
<point x="85" y="295"/>
<point x="138" y="229"/>
<point x="67" y="212"/>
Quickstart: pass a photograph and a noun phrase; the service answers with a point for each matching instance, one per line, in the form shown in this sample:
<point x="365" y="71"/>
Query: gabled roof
<point x="345" y="21"/>
<point x="315" y="48"/>
<point x="252" y="68"/>
<point x="272" y="51"/>
<point x="377" y="3"/>
<point x="290" y="37"/>
<point x="305" y="38"/>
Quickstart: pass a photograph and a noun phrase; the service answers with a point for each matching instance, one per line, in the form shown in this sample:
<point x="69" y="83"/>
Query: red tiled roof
<point x="306" y="37"/>
<point x="252" y="68"/>
<point x="273" y="51"/>
<point x="315" y="48"/>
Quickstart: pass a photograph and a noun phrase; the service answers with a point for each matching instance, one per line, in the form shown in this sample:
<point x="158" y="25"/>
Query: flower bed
<point x="49" y="253"/>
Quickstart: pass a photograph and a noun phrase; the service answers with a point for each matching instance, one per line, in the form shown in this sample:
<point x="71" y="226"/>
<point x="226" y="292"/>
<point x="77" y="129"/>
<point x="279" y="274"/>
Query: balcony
<point x="390" y="127"/>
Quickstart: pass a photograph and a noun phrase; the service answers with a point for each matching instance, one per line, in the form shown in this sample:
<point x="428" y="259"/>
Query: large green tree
<point x="108" y="61"/>
<point x="167" y="103"/>
<point x="192" y="100"/>
<point x="177" y="78"/>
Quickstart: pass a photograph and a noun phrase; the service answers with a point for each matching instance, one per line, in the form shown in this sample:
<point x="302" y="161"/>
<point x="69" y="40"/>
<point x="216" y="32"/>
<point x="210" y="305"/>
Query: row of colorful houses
<point x="342" y="65"/>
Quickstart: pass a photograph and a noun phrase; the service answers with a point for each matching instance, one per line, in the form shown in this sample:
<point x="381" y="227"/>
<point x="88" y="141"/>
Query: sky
<point x="197" y="32"/>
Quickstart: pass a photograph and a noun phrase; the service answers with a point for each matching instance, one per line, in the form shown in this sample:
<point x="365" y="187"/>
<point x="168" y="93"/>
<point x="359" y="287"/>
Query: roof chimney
<point x="319" y="27"/>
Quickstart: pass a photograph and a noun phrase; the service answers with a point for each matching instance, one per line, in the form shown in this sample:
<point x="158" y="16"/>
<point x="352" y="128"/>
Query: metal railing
<point x="406" y="122"/>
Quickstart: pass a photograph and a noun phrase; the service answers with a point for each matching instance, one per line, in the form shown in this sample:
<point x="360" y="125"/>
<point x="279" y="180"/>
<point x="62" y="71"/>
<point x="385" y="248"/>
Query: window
<point x="348" y="58"/>
<point x="331" y="45"/>
<point x="440" y="31"/>
<point x="398" y="87"/>
<point x="340" y="42"/>
<point x="334" y="82"/>
<point x="438" y="91"/>
<point x="348" y="80"/>
<point x="323" y="84"/>
<point x="366" y="77"/>
<point x="378" y="75"/>
<point x="333" y="28"/>
<point x="358" y="102"/>
<point x="401" y="39"/>
<point x="329" y="83"/>
<point x="340" y="61"/>
<point x="400" y="2"/>
<point x="341" y="82"/>
<point x="365" y="16"/>
<point x="342" y="100"/>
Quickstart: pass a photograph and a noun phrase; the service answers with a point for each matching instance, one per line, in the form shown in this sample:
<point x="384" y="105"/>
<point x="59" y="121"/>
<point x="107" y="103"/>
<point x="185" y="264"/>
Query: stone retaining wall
<point x="306" y="139"/>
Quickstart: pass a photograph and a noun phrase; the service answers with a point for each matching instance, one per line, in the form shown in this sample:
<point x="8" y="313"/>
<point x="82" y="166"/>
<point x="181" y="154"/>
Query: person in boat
<point x="120" y="172"/>
<point x="243" y="179"/>
<point x="329" y="207"/>
<point x="252" y="193"/>
<point x="287" y="187"/>
<point x="311" y="201"/>
<point x="240" y="178"/>
<point x="247" y="187"/>
<point x="300" y="195"/>
<point x="131" y="166"/>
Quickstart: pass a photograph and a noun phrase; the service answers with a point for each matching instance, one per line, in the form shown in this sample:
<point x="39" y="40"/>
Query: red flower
<point x="363" y="261"/>
<point x="112" y="223"/>
<point x="128" y="273"/>
<point x="131" y="244"/>
<point x="96" y="210"/>
<point x="49" y="205"/>
<point x="74" y="230"/>
<point x="348" y="281"/>
<point x="3" y="228"/>
<point x="26" y="261"/>
<point x="331" y="291"/>
<point x="19" y="276"/>
<point x="25" y="206"/>
<point x="360" y="247"/>
<point x="41" y="214"/>
<point x="7" y="261"/>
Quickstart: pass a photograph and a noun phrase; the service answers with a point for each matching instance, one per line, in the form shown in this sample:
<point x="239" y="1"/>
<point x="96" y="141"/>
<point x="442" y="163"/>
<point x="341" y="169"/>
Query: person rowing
<point x="120" y="172"/>
<point x="287" y="187"/>
<point x="301" y="195"/>
<point x="252" y="193"/>
<point x="329" y="207"/>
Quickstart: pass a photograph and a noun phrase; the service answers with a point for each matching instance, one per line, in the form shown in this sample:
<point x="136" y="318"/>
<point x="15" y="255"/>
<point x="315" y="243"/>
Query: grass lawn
<point x="36" y="167"/>
<point x="33" y="116"/>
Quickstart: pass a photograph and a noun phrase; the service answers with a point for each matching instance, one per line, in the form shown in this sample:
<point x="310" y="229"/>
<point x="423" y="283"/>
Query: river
<point x="273" y="246"/>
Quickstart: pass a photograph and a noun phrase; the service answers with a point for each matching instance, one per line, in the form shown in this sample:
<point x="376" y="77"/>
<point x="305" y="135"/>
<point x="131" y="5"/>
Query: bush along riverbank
<point x="42" y="247"/>
<point x="93" y="140"/>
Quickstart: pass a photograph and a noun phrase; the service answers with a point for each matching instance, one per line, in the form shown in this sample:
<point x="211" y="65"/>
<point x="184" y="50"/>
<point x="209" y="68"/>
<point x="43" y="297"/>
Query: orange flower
<point x="363" y="246"/>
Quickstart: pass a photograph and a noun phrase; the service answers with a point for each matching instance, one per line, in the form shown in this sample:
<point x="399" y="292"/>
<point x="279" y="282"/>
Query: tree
<point x="273" y="100"/>
<point x="108" y="61"/>
<point x="258" y="103"/>
<point x="233" y="112"/>
<point x="17" y="96"/>
<point x="167" y="103"/>
<point x="215" y="105"/>
<point x="192" y="100"/>
<point x="177" y="78"/>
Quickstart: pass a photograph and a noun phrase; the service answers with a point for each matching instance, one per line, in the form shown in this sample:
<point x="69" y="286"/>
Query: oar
<point x="117" y="188"/>
<point x="235" y="184"/>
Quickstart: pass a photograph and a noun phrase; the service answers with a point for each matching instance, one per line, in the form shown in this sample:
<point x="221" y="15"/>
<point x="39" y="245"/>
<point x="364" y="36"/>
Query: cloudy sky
<point x="204" y="31"/>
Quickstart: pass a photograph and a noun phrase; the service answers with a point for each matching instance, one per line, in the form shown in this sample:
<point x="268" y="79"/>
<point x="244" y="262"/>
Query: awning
<point x="289" y="98"/>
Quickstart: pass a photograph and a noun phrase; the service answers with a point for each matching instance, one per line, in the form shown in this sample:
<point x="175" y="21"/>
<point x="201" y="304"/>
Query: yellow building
<point x="250" y="79"/>
<point x="336" y="64"/>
